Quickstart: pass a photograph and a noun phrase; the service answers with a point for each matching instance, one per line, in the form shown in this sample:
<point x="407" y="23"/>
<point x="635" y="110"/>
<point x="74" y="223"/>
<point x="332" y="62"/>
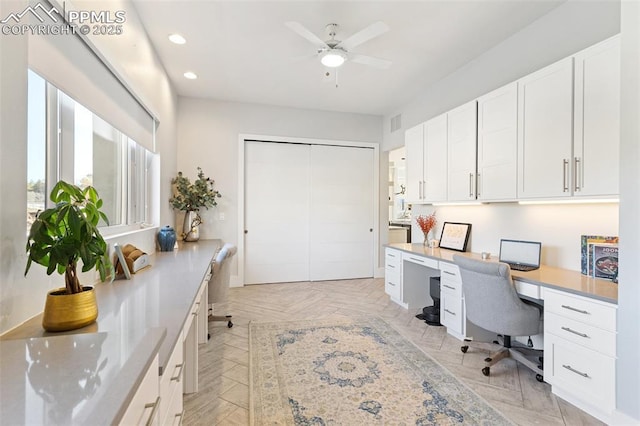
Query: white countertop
<point x="137" y="318"/>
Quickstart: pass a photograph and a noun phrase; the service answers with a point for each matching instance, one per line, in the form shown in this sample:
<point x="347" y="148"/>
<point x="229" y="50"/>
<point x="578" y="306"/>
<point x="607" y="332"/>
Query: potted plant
<point x="58" y="239"/>
<point x="190" y="197"/>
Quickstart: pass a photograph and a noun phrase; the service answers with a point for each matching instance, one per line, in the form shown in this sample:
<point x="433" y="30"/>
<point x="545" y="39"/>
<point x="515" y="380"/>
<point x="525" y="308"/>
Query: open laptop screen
<point x="520" y="252"/>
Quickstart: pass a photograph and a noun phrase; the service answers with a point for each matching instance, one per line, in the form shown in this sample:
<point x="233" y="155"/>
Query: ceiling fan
<point x="333" y="53"/>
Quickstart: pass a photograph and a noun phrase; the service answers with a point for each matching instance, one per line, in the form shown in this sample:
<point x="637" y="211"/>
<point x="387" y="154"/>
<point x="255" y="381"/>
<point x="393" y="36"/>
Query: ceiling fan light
<point x="333" y="58"/>
<point x="177" y="39"/>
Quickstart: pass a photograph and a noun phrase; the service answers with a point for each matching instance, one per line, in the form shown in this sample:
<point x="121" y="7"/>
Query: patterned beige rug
<point x="353" y="372"/>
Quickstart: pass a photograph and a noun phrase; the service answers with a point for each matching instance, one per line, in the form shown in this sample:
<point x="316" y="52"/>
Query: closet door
<point x="276" y="212"/>
<point x="341" y="215"/>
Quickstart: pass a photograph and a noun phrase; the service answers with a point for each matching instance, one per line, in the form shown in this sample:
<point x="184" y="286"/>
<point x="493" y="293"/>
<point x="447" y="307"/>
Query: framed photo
<point x="455" y="236"/>
<point x="121" y="262"/>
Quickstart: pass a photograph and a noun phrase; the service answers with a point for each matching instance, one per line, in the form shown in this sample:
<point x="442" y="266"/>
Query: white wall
<point x="208" y="133"/>
<point x="21" y="298"/>
<point x="558" y="227"/>
<point x="565" y="30"/>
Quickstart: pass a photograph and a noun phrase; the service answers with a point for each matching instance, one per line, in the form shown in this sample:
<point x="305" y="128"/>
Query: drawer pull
<point x="391" y="284"/>
<point x="449" y="273"/>
<point x="449" y="287"/>
<point x="391" y="255"/>
<point x="449" y="312"/>
<point x="574" y="332"/>
<point x="179" y="375"/>
<point x="180" y="416"/>
<point x="571" y="308"/>
<point x="391" y="266"/>
<point x="155" y="406"/>
<point x="573" y="370"/>
<point x="415" y="259"/>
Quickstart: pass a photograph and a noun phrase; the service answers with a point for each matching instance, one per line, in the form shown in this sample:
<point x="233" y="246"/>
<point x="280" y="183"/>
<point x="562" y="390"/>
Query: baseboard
<point x="620" y="418"/>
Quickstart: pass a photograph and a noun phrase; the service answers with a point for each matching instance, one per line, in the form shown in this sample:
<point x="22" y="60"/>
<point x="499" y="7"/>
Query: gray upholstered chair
<point x="219" y="282"/>
<point x="493" y="304"/>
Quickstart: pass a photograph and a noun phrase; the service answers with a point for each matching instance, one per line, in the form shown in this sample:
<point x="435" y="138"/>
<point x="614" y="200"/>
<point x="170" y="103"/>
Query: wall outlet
<point x="221" y="216"/>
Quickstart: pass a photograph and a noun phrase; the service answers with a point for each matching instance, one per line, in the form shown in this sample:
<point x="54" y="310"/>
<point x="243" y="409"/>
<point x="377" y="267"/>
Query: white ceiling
<point x="242" y="51"/>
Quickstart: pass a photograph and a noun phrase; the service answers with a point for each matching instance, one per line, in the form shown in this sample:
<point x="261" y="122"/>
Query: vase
<point x="64" y="312"/>
<point x="191" y="226"/>
<point x="167" y="238"/>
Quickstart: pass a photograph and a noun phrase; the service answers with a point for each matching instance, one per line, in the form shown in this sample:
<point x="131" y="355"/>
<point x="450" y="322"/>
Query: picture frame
<point x="455" y="236"/>
<point x="121" y="261"/>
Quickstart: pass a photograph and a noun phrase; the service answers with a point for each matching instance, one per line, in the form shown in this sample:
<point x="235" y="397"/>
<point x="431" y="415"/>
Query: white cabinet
<point x="144" y="406"/>
<point x="171" y="387"/>
<point x="393" y="274"/>
<point x="580" y="351"/>
<point x="426" y="161"/>
<point x="545" y="129"/>
<point x="596" y="153"/>
<point x="497" y="144"/>
<point x="452" y="313"/>
<point x="461" y="152"/>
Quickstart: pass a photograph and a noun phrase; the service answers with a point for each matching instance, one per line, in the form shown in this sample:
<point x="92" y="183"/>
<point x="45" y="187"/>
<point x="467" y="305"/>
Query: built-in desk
<point x="157" y="313"/>
<point x="579" y="337"/>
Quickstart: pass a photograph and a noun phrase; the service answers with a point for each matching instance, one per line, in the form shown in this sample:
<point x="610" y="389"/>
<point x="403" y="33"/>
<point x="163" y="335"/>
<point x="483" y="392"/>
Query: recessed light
<point x="190" y="75"/>
<point x="177" y="39"/>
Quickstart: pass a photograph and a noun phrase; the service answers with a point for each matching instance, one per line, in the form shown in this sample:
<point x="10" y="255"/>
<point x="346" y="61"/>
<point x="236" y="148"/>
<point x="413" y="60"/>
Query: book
<point x="605" y="261"/>
<point x="586" y="250"/>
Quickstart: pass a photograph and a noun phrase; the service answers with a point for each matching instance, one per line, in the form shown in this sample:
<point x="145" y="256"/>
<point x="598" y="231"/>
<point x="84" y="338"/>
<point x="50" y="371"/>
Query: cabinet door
<point x="435" y="159"/>
<point x="461" y="152"/>
<point x="144" y="406"/>
<point x="597" y="119"/>
<point x="497" y="144"/>
<point x="545" y="126"/>
<point x="413" y="143"/>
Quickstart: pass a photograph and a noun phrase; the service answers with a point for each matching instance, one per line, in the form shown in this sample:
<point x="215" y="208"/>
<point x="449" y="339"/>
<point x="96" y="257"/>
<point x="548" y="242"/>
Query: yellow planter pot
<point x="64" y="312"/>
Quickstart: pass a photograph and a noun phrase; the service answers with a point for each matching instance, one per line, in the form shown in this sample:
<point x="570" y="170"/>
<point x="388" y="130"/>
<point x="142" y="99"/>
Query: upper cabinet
<point x="426" y="161"/>
<point x="461" y="143"/>
<point x="497" y="144"/>
<point x="596" y="137"/>
<point x="545" y="128"/>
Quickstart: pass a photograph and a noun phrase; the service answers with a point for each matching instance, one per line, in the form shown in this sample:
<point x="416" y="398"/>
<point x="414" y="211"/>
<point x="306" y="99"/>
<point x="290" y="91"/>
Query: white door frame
<point x="243" y="137"/>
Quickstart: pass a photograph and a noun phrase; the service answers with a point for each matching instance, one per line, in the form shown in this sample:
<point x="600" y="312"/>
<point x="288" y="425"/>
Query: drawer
<point x="393" y="257"/>
<point x="143" y="408"/>
<point x="586" y="335"/>
<point x="171" y="380"/>
<point x="453" y="286"/>
<point x="174" y="410"/>
<point x="527" y="289"/>
<point x="393" y="289"/>
<point x="589" y="311"/>
<point x="586" y="374"/>
<point x="420" y="260"/>
<point x="450" y="270"/>
<point x="451" y="312"/>
<point x="392" y="271"/>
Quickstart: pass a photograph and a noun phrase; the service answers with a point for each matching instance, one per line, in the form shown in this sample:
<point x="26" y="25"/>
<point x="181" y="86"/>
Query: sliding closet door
<point x="341" y="216"/>
<point x="276" y="212"/>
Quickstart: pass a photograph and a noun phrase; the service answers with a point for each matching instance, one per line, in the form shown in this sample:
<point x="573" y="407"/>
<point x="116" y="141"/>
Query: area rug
<point x="353" y="372"/>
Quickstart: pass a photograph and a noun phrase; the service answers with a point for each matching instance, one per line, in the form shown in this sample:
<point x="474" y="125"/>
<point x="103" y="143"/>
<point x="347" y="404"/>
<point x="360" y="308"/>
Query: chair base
<point x="222" y="318"/>
<point x="521" y="354"/>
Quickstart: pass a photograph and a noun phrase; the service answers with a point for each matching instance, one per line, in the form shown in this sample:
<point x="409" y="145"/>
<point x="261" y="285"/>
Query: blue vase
<point x="166" y="238"/>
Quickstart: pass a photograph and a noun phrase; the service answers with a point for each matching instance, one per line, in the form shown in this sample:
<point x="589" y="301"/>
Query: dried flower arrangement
<point x="426" y="224"/>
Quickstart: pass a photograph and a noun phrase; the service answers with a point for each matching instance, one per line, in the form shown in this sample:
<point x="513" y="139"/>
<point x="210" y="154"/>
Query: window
<point x="68" y="141"/>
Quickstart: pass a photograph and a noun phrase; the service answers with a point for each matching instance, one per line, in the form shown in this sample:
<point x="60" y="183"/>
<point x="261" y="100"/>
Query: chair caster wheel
<point x="539" y="378"/>
<point x="208" y="336"/>
<point x="464" y="349"/>
<point x="229" y="324"/>
<point x="486" y="371"/>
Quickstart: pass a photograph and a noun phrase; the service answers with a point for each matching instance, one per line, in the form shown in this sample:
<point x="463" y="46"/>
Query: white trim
<point x="243" y="137"/>
<point x="620" y="418"/>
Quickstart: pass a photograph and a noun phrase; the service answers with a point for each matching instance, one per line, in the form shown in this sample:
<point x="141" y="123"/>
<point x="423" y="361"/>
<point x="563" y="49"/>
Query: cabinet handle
<point x="448" y="273"/>
<point x="470" y="185"/>
<point x="576" y="173"/>
<point x="179" y="375"/>
<point x="573" y="370"/>
<point x="449" y="312"/>
<point x="391" y="284"/>
<point x="391" y="255"/>
<point x="574" y="332"/>
<point x="424" y="189"/>
<point x="416" y="260"/>
<point x="571" y="308"/>
<point x="565" y="185"/>
<point x="391" y="266"/>
<point x="478" y="185"/>
<point x="181" y="416"/>
<point x="420" y="190"/>
<point x="448" y="286"/>
<point x="155" y="406"/>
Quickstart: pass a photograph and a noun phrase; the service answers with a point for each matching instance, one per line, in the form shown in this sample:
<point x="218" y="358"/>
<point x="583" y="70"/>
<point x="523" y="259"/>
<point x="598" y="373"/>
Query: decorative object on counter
<point x="426" y="224"/>
<point x="131" y="258"/>
<point x="586" y="250"/>
<point x="605" y="261"/>
<point x="166" y="238"/>
<point x="120" y="262"/>
<point x="455" y="236"/>
<point x="190" y="197"/>
<point x="59" y="237"/>
<point x="433" y="243"/>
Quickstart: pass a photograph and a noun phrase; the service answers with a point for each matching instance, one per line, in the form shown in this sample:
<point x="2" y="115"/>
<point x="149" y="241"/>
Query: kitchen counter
<point x="97" y="368"/>
<point x="545" y="276"/>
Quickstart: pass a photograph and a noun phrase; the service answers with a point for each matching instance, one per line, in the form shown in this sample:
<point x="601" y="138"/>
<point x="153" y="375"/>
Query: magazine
<point x="586" y="250"/>
<point x="605" y="261"/>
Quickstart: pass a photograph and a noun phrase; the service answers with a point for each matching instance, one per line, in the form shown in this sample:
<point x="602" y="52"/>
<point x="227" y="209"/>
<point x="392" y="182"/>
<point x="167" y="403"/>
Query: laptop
<point x="520" y="255"/>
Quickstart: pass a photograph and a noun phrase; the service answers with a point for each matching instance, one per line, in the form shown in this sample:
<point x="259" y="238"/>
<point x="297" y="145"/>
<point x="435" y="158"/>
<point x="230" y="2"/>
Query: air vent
<point x="396" y="123"/>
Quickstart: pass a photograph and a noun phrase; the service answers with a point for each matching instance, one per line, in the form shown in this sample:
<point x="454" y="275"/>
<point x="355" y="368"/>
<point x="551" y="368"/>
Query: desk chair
<point x="492" y="303"/>
<point x="219" y="282"/>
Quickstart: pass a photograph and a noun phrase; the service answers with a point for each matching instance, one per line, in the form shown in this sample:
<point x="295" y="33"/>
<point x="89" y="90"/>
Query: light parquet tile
<point x="223" y="398"/>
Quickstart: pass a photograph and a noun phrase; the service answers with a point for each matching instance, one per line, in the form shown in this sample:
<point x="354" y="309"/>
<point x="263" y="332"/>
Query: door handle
<point x="565" y="177"/>
<point x="478" y="186"/>
<point x="576" y="174"/>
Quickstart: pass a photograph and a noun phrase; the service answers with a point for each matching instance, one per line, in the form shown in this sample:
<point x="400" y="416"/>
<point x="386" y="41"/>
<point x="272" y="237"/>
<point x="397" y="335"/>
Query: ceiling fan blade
<point x="373" y="30"/>
<point x="299" y="29"/>
<point x="370" y="60"/>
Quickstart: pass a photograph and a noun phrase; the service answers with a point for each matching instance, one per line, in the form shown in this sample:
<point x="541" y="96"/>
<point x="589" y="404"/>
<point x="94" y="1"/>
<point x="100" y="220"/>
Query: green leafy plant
<point x="191" y="196"/>
<point x="68" y="232"/>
